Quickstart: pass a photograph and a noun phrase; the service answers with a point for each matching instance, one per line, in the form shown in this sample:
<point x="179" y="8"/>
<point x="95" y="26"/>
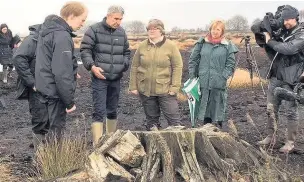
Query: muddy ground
<point x="15" y="128"/>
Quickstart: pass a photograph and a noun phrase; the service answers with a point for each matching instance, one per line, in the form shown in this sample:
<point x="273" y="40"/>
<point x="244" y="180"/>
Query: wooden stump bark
<point x="174" y="154"/>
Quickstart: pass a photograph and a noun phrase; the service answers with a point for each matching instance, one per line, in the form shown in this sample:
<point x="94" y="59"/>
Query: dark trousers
<point x="273" y="106"/>
<point x="152" y="106"/>
<point x="55" y="116"/>
<point x="105" y="98"/>
<point x="39" y="114"/>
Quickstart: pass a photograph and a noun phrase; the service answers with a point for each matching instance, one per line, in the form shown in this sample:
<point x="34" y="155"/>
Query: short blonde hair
<point x="72" y="8"/>
<point x="218" y="23"/>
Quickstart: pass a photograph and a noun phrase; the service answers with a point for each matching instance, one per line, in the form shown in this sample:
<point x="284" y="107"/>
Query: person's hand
<point x="78" y="76"/>
<point x="71" y="110"/>
<point x="267" y="37"/>
<point x="98" y="72"/>
<point x="171" y="93"/>
<point x="34" y="88"/>
<point x="134" y="92"/>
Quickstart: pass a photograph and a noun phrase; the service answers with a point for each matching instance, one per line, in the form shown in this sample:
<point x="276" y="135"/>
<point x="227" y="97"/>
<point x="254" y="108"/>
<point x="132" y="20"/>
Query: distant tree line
<point x="235" y="23"/>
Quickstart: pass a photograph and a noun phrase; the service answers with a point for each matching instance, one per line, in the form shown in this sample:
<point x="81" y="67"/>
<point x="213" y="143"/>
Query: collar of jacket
<point x="107" y="26"/>
<point x="54" y="23"/>
<point x="223" y="41"/>
<point x="158" y="44"/>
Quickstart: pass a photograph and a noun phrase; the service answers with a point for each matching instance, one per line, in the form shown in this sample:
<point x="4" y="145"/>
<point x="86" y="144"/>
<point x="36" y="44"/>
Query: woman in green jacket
<point x="213" y="62"/>
<point x="156" y="74"/>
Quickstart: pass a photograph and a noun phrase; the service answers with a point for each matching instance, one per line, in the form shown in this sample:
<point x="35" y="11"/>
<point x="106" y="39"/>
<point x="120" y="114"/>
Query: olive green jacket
<point x="156" y="69"/>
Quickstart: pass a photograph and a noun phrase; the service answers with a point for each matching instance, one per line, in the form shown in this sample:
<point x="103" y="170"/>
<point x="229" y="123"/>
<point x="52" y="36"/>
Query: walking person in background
<point x="213" y="62"/>
<point x="105" y="52"/>
<point x="7" y="43"/>
<point x="156" y="75"/>
<point x="55" y="69"/>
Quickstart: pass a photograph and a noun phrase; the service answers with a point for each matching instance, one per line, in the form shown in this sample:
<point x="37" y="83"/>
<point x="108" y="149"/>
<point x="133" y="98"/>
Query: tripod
<point x="251" y="62"/>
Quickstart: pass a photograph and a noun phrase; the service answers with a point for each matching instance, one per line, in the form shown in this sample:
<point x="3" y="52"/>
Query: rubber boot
<point x="111" y="125"/>
<point x="292" y="128"/>
<point x="97" y="131"/>
<point x="5" y="72"/>
<point x="271" y="126"/>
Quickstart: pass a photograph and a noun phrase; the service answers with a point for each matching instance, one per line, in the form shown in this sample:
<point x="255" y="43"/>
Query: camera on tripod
<point x="273" y="24"/>
<point x="246" y="38"/>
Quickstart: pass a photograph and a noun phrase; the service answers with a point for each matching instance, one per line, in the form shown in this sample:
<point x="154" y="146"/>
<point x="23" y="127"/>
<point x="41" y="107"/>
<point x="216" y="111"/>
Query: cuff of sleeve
<point x="272" y="43"/>
<point x="173" y="89"/>
<point x="70" y="105"/>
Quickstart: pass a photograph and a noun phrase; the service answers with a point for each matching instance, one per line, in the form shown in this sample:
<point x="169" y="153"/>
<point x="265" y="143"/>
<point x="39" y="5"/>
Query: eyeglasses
<point x="152" y="29"/>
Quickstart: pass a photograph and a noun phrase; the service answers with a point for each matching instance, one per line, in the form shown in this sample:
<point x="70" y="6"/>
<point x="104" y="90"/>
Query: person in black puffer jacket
<point x="105" y="52"/>
<point x="55" y="68"/>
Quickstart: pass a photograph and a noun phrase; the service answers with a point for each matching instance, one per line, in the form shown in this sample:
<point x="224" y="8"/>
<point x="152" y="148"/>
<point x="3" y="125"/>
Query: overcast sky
<point x="19" y="14"/>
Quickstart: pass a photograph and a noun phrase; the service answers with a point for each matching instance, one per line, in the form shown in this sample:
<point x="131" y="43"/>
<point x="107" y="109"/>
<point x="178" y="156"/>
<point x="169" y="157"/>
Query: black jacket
<point x="289" y="64"/>
<point x="24" y="61"/>
<point x="6" y="52"/>
<point x="56" y="70"/>
<point x="106" y="48"/>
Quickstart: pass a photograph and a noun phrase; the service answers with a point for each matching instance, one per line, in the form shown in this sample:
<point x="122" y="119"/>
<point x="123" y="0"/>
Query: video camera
<point x="273" y="24"/>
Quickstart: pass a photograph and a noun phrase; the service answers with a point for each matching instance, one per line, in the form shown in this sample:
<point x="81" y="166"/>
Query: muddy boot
<point x="5" y="72"/>
<point x="111" y="125"/>
<point x="97" y="131"/>
<point x="271" y="126"/>
<point x="38" y="139"/>
<point x="207" y="120"/>
<point x="219" y="124"/>
<point x="292" y="128"/>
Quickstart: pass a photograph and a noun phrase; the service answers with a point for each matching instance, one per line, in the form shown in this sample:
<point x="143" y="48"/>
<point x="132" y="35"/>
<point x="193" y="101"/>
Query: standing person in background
<point x="56" y="69"/>
<point x="24" y="61"/>
<point x="7" y="43"/>
<point x="213" y="62"/>
<point x="156" y="75"/>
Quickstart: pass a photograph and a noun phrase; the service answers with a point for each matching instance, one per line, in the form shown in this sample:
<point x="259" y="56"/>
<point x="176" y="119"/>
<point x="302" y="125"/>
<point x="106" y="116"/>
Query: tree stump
<point x="174" y="154"/>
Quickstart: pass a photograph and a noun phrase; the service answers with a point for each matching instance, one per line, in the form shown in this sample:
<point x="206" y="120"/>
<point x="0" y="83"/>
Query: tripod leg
<point x="256" y="69"/>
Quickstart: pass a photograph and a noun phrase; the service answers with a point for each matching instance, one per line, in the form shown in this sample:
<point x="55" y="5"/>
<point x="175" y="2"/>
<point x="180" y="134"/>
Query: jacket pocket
<point x="218" y="81"/>
<point x="140" y="79"/>
<point x="291" y="74"/>
<point x="162" y="85"/>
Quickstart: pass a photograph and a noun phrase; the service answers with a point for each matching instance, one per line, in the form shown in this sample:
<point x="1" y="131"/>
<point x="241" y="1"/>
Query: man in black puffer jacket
<point x="285" y="73"/>
<point x="105" y="52"/>
<point x="24" y="61"/>
<point x="56" y="69"/>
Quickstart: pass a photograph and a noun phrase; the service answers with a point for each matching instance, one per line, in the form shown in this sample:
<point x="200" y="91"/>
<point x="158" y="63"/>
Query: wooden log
<point x="105" y="169"/>
<point x="128" y="150"/>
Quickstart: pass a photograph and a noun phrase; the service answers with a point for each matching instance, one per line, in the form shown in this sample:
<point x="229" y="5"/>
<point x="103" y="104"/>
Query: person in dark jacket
<point x="56" y="70"/>
<point x="105" y="52"/>
<point x="24" y="61"/>
<point x="285" y="73"/>
<point x="7" y="43"/>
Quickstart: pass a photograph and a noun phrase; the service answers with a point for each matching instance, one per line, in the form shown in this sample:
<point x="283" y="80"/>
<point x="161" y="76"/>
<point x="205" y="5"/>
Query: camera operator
<point x="285" y="73"/>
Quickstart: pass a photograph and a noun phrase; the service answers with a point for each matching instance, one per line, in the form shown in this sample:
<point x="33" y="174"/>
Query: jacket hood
<point x="54" y="23"/>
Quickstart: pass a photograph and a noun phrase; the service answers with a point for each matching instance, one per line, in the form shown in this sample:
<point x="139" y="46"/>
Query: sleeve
<point x="126" y="54"/>
<point x="86" y="47"/>
<point x="177" y="69"/>
<point x="22" y="58"/>
<point x="194" y="60"/>
<point x="230" y="62"/>
<point x="133" y="71"/>
<point x="288" y="48"/>
<point x="63" y="69"/>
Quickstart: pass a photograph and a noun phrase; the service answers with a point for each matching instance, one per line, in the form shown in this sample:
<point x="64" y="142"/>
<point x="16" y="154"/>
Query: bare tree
<point x="176" y="29"/>
<point x="301" y="15"/>
<point x="135" y="27"/>
<point x="237" y="23"/>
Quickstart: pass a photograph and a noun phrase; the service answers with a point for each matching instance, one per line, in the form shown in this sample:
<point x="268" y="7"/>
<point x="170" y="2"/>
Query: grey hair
<point x="116" y="9"/>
